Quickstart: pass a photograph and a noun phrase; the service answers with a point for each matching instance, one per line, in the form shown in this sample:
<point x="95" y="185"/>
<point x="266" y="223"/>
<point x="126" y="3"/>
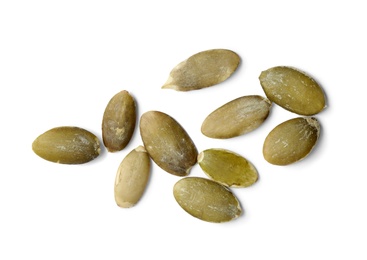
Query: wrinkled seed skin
<point x="67" y="145"/>
<point x="118" y="123"/>
<point x="167" y="143"/>
<point x="206" y="199"/>
<point x="227" y="168"/>
<point x="202" y="70"/>
<point x="237" y="117"/>
<point x="291" y="140"/>
<point x="132" y="177"/>
<point x="293" y="90"/>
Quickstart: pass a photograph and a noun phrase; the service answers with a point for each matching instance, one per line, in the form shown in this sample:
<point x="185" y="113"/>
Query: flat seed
<point x="167" y="143"/>
<point x="206" y="199"/>
<point x="203" y="69"/>
<point x="293" y="90"/>
<point x="118" y="123"/>
<point x="227" y="168"/>
<point x="132" y="177"/>
<point x="291" y="140"/>
<point x="237" y="117"/>
<point x="67" y="145"/>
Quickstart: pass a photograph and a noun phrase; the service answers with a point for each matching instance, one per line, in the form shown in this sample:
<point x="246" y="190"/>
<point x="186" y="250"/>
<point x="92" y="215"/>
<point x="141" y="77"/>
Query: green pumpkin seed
<point x="67" y="145"/>
<point x="132" y="177"/>
<point x="293" y="90"/>
<point x="227" y="168"/>
<point x="291" y="140"/>
<point x="203" y="69"/>
<point x="237" y="117"/>
<point x="119" y="121"/>
<point x="206" y="199"/>
<point x="167" y="143"/>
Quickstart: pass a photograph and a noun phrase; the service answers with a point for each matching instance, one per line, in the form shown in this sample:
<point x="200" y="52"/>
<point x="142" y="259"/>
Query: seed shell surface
<point x="227" y="168"/>
<point x="202" y="70"/>
<point x="167" y="143"/>
<point x="291" y="140"/>
<point x="237" y="117"/>
<point x="67" y="145"/>
<point x="206" y="199"/>
<point x="293" y="90"/>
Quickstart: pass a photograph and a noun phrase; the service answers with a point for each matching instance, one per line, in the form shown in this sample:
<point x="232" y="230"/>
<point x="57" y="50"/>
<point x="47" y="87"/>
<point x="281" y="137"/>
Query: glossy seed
<point x="237" y="117"/>
<point x="203" y="69"/>
<point x="293" y="90"/>
<point x="132" y="177"/>
<point x="227" y="168"/>
<point x="67" y="145"/>
<point x="118" y="123"/>
<point x="167" y="143"/>
<point x="206" y="199"/>
<point x="291" y="140"/>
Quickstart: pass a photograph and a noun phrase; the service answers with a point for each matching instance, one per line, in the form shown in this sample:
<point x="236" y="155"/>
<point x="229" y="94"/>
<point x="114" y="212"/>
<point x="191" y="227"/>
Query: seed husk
<point x="203" y="69"/>
<point x="132" y="177"/>
<point x="67" y="145"/>
<point x="227" y="167"/>
<point x="167" y="143"/>
<point x="291" y="140"/>
<point x="118" y="123"/>
<point x="206" y="199"/>
<point x="293" y="90"/>
<point x="237" y="117"/>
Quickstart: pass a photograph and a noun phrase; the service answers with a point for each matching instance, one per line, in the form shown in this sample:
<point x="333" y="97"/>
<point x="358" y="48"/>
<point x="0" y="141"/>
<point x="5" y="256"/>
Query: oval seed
<point x="293" y="90"/>
<point x="206" y="199"/>
<point x="167" y="143"/>
<point x="203" y="69"/>
<point x="227" y="168"/>
<point x="118" y="123"/>
<point x="132" y="177"/>
<point x="291" y="140"/>
<point x="237" y="117"/>
<point x="67" y="145"/>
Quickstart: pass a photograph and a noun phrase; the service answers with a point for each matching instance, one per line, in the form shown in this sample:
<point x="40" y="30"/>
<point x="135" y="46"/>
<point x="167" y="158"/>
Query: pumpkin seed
<point x="118" y="123"/>
<point x="237" y="117"/>
<point x="291" y="140"/>
<point x="227" y="168"/>
<point x="206" y="199"/>
<point x="132" y="177"/>
<point x="203" y="69"/>
<point x="67" y="145"/>
<point x="293" y="90"/>
<point x="167" y="143"/>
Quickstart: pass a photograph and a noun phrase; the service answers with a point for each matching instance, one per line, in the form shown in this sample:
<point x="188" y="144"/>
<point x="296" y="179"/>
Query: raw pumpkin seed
<point x="203" y="69"/>
<point x="167" y="143"/>
<point x="293" y="90"/>
<point x="67" y="145"/>
<point x="291" y="140"/>
<point x="237" y="117"/>
<point x="227" y="168"/>
<point x="132" y="177"/>
<point x="206" y="199"/>
<point x="118" y="123"/>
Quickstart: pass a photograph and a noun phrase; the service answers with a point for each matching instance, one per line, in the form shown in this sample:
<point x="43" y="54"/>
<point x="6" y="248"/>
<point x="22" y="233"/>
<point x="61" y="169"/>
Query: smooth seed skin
<point x="167" y="143"/>
<point x="206" y="199"/>
<point x="67" y="145"/>
<point x="227" y="168"/>
<point x="237" y="117"/>
<point x="291" y="140"/>
<point x="202" y="70"/>
<point x="132" y="177"/>
<point x="118" y="123"/>
<point x="293" y="90"/>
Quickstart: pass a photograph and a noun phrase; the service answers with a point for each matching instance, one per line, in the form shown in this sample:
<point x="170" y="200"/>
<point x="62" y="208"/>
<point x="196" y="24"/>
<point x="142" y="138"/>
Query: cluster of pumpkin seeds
<point x="166" y="142"/>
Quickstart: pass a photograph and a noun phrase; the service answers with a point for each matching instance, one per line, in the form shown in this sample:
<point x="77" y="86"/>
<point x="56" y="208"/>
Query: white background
<point x="62" y="61"/>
